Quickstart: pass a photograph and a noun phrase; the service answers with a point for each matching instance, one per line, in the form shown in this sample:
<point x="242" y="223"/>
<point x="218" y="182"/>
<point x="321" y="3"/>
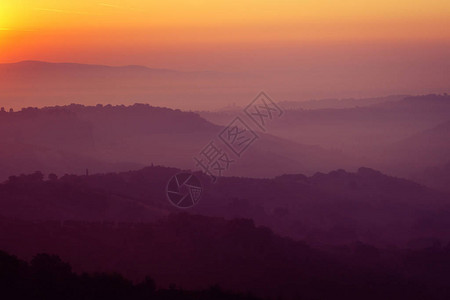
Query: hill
<point x="425" y="149"/>
<point x="363" y="131"/>
<point x="437" y="177"/>
<point x="48" y="277"/>
<point x="195" y="252"/>
<point x="71" y="139"/>
<point x="26" y="83"/>
<point x="334" y="208"/>
<point x="339" y="103"/>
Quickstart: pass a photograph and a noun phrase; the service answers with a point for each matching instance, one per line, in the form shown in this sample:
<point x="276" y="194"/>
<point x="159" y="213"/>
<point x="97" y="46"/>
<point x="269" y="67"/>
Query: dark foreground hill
<point x="195" y="252"/>
<point x="47" y="277"/>
<point x="339" y="235"/>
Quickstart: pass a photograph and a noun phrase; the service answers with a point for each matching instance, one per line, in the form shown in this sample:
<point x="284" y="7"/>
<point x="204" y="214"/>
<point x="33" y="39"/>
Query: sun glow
<point x="47" y="29"/>
<point x="6" y="16"/>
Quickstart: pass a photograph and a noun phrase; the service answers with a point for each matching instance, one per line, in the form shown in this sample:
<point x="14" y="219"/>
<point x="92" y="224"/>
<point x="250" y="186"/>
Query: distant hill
<point x="358" y="130"/>
<point x="437" y="177"/>
<point x="339" y="103"/>
<point x="71" y="139"/>
<point x="27" y="83"/>
<point x="32" y="68"/>
<point x="422" y="150"/>
<point x="424" y="103"/>
<point x="398" y="137"/>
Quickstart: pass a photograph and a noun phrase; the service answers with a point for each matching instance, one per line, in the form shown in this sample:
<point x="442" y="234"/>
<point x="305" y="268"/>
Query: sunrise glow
<point x="51" y="30"/>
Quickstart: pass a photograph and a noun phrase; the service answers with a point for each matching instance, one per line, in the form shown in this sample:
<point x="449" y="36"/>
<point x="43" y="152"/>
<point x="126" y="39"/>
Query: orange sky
<point x="293" y="49"/>
<point x="192" y="34"/>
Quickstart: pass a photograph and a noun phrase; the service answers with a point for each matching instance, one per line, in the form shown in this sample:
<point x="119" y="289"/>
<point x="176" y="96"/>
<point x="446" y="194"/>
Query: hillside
<point x="425" y="149"/>
<point x="71" y="139"/>
<point x="362" y="131"/>
<point x="196" y="252"/>
<point x="334" y="208"/>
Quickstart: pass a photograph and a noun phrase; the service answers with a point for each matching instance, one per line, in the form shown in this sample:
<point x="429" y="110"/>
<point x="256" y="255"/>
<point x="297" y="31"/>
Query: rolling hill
<point x="334" y="208"/>
<point x="71" y="139"/>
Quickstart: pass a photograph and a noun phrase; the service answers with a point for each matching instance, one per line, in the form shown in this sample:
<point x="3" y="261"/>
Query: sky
<point x="195" y="34"/>
<point x="325" y="48"/>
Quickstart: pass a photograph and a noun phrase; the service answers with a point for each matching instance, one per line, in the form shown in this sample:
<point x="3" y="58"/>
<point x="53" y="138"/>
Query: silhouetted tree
<point x="52" y="177"/>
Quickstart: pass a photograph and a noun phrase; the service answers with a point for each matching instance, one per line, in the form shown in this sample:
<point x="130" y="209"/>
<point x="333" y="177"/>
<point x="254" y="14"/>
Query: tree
<point x="52" y="177"/>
